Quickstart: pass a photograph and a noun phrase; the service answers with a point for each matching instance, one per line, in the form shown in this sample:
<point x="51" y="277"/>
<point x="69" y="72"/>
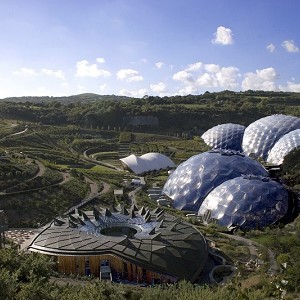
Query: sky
<point x="148" y="47"/>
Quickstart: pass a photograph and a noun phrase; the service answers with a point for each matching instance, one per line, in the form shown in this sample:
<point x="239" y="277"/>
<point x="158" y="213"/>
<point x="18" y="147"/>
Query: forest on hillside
<point x="196" y="113"/>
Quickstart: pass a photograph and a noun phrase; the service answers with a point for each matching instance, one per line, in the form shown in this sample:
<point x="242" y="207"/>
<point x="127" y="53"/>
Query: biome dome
<point x="284" y="146"/>
<point x="246" y="202"/>
<point x="195" y="178"/>
<point x="261" y="135"/>
<point x="225" y="136"/>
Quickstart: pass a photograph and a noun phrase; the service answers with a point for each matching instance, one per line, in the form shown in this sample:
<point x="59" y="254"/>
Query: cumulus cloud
<point x="223" y="36"/>
<point x="103" y="87"/>
<point x="159" y="65"/>
<point x="194" y="67"/>
<point x="159" y="88"/>
<point x="64" y="84"/>
<point x="100" y="60"/>
<point x="207" y="76"/>
<point x="25" y="72"/>
<point x="129" y="75"/>
<point x="260" y="80"/>
<point x="183" y="76"/>
<point x="271" y="48"/>
<point x="81" y="89"/>
<point x="136" y="94"/>
<point x="290" y="46"/>
<point x="227" y="77"/>
<point x="58" y="74"/>
<point x="188" y="90"/>
<point x="212" y="68"/>
<point x="207" y="80"/>
<point x="85" y="69"/>
<point x="290" y="87"/>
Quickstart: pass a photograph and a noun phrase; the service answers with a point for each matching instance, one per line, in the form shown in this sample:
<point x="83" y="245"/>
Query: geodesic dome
<point x="284" y="146"/>
<point x="195" y="178"/>
<point x="261" y="135"/>
<point x="225" y="136"/>
<point x="246" y="202"/>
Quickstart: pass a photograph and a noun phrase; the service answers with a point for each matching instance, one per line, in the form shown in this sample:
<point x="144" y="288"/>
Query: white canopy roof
<point x="147" y="162"/>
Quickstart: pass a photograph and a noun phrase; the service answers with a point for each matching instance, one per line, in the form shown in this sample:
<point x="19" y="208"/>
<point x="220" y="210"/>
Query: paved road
<point x="131" y="195"/>
<point x="93" y="194"/>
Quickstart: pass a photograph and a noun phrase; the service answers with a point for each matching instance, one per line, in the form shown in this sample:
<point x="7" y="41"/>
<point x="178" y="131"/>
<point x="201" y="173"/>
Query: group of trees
<point x="28" y="277"/>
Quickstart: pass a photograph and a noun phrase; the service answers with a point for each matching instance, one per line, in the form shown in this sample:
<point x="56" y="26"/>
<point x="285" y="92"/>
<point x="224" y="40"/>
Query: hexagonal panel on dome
<point x="284" y="146"/>
<point x="225" y="136"/>
<point x="261" y="135"/>
<point x="192" y="181"/>
<point x="265" y="205"/>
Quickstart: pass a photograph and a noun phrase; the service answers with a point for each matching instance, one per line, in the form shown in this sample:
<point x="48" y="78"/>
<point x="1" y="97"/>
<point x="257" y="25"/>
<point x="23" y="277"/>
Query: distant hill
<point x="189" y="114"/>
<point x="86" y="97"/>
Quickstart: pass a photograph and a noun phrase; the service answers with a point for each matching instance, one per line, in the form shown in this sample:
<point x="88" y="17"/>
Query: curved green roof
<point x="153" y="239"/>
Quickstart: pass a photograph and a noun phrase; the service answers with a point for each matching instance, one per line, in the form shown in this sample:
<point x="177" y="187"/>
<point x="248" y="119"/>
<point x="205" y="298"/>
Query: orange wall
<point x="76" y="265"/>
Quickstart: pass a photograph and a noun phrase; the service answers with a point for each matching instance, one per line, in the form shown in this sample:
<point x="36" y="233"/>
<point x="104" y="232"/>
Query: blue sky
<point x="153" y="47"/>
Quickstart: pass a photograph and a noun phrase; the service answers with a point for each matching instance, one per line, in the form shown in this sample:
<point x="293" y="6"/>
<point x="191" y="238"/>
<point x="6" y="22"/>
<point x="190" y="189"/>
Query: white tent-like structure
<point x="147" y="162"/>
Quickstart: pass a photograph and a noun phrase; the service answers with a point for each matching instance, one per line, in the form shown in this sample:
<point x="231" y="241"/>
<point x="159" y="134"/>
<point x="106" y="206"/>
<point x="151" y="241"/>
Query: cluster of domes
<point x="195" y="178"/>
<point x="259" y="138"/>
<point x="261" y="135"/>
<point x="232" y="188"/>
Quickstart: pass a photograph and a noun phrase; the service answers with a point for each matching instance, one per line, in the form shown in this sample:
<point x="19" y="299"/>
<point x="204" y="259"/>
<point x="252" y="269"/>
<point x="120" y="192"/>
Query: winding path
<point x="97" y="162"/>
<point x="252" y="246"/>
<point x="13" y="134"/>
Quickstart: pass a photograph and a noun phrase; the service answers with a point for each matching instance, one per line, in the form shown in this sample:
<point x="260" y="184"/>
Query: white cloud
<point x="207" y="80"/>
<point x="25" y="72"/>
<point x="64" y="84"/>
<point x="260" y="80"/>
<point x="212" y="68"/>
<point x="81" y="89"/>
<point x="194" y="67"/>
<point x="289" y="46"/>
<point x="223" y="36"/>
<point x="100" y="60"/>
<point x="159" y="65"/>
<point x="103" y="87"/>
<point x="271" y="48"/>
<point x="136" y="94"/>
<point x="135" y="78"/>
<point x="209" y="76"/>
<point x="84" y="69"/>
<point x="58" y="74"/>
<point x="188" y="90"/>
<point x="129" y="75"/>
<point x="183" y="76"/>
<point x="290" y="87"/>
<point x="227" y="77"/>
<point x="159" y="88"/>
